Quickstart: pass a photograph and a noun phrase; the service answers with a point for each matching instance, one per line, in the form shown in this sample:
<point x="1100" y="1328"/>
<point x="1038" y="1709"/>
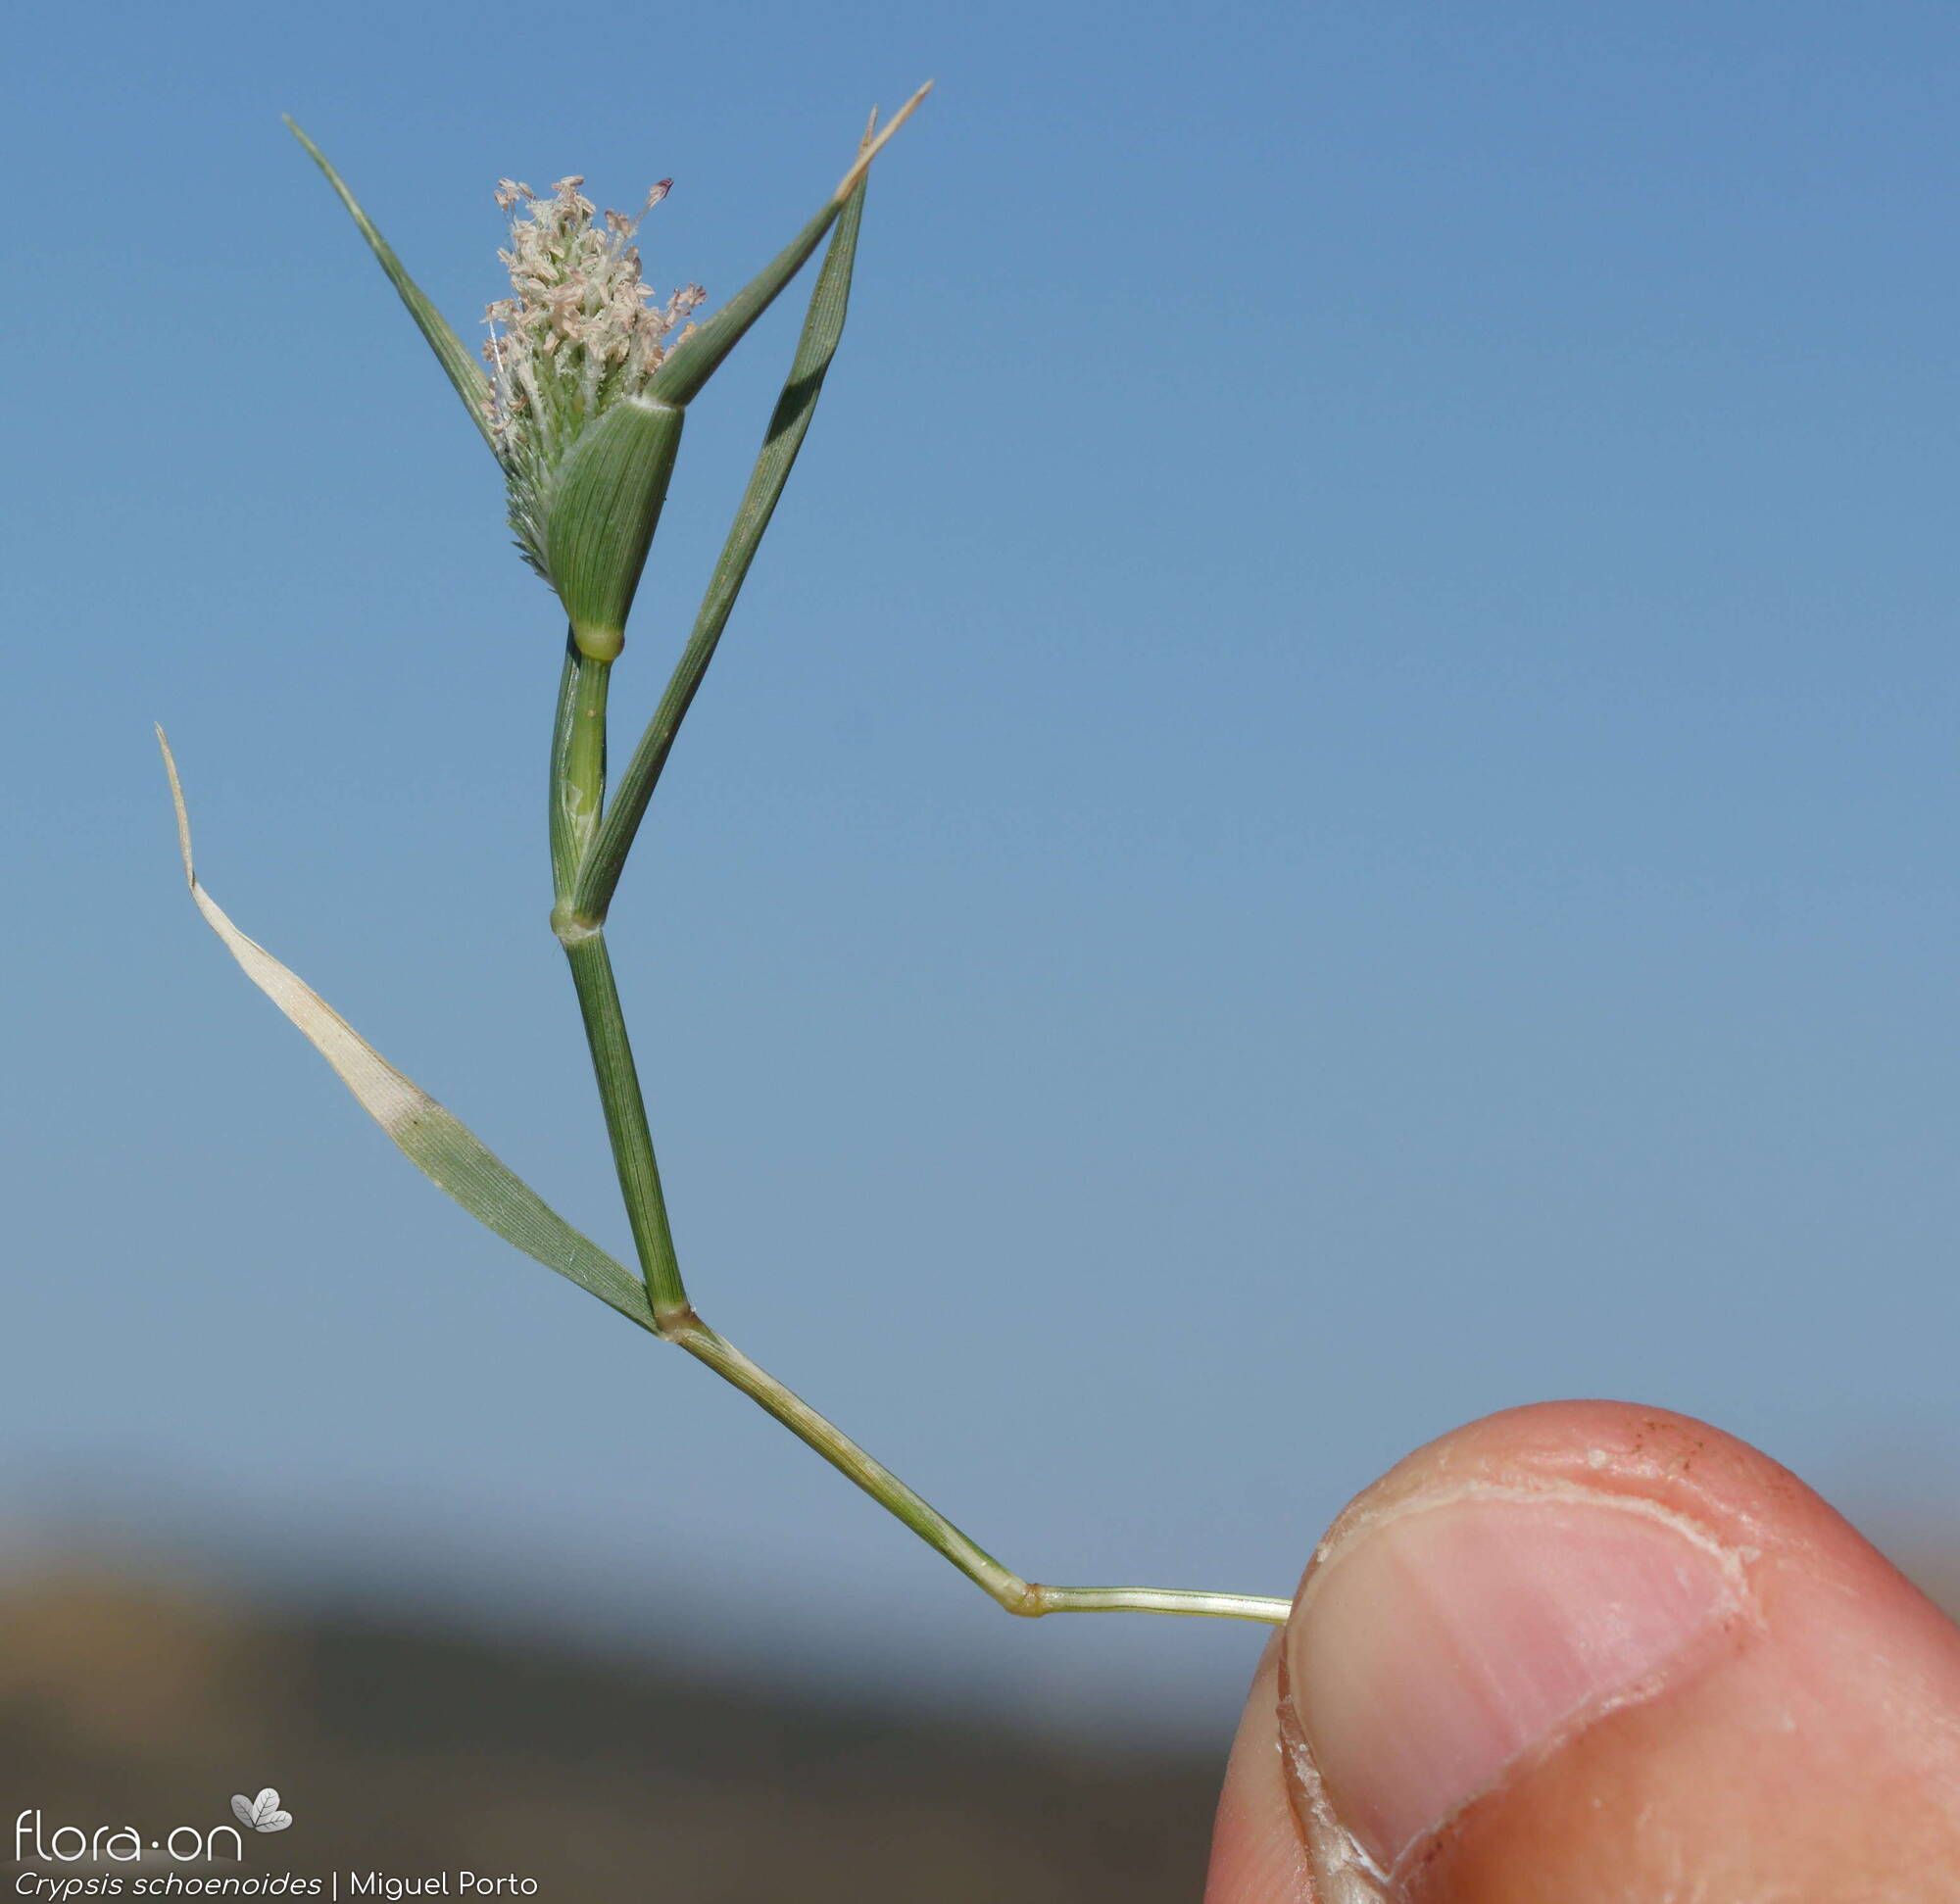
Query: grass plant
<point x="581" y="396"/>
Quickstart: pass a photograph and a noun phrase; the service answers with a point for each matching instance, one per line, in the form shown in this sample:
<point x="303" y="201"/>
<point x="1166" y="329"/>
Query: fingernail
<point x="1436" y="1646"/>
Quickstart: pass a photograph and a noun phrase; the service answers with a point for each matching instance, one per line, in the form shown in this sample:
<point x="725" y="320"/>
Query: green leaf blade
<point x="680" y="378"/>
<point x="789" y="424"/>
<point x="465" y="373"/>
<point x="689" y="365"/>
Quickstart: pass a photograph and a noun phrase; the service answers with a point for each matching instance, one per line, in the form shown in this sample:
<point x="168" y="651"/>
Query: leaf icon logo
<point x="263" y="1813"/>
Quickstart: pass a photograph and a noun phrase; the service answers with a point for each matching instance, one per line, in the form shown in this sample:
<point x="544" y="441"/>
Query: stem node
<point x="571" y="927"/>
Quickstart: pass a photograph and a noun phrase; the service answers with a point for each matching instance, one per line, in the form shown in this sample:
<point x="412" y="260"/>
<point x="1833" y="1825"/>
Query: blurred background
<point x="1332" y="807"/>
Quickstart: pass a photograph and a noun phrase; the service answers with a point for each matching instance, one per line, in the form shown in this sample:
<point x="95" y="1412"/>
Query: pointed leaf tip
<point x="680" y="380"/>
<point x="874" y="146"/>
<point x="177" y="800"/>
<point x="465" y="373"/>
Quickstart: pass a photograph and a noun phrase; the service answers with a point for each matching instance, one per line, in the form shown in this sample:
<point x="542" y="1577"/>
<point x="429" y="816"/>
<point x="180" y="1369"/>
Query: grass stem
<point x="590" y="839"/>
<point x="626" y="1125"/>
<point x="1028" y="1598"/>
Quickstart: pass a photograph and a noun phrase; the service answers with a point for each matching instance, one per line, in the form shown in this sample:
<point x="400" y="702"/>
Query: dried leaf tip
<point x="178" y="799"/>
<point x="874" y="146"/>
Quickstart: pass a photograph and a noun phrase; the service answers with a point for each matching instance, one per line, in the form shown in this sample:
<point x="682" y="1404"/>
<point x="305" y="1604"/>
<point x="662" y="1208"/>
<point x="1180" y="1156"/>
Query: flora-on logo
<point x="262" y="1813"/>
<point x="36" y="1842"/>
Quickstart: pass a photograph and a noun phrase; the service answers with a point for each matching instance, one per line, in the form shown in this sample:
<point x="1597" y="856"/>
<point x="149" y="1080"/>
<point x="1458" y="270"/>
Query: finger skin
<point x="1257" y="1853"/>
<point x="1807" y="1753"/>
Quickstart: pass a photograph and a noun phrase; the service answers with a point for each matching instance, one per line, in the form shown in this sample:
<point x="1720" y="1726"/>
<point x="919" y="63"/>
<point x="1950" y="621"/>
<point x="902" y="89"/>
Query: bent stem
<point x="1028" y="1598"/>
<point x="590" y="840"/>
<point x="577" y="801"/>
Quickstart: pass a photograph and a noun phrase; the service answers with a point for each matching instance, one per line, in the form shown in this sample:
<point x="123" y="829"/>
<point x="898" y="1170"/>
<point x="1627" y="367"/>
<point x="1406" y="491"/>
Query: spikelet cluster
<point x="580" y="332"/>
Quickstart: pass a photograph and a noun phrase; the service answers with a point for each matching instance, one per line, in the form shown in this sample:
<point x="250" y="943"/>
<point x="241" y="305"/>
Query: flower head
<point x="579" y="333"/>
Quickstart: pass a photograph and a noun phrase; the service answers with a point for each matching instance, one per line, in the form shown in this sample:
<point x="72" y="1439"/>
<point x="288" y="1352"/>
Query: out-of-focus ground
<point x="403" y="1748"/>
<point x="406" y="1747"/>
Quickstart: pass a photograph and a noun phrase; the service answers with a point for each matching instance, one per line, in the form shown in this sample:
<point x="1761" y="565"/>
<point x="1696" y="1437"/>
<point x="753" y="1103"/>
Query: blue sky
<point x="1332" y="805"/>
